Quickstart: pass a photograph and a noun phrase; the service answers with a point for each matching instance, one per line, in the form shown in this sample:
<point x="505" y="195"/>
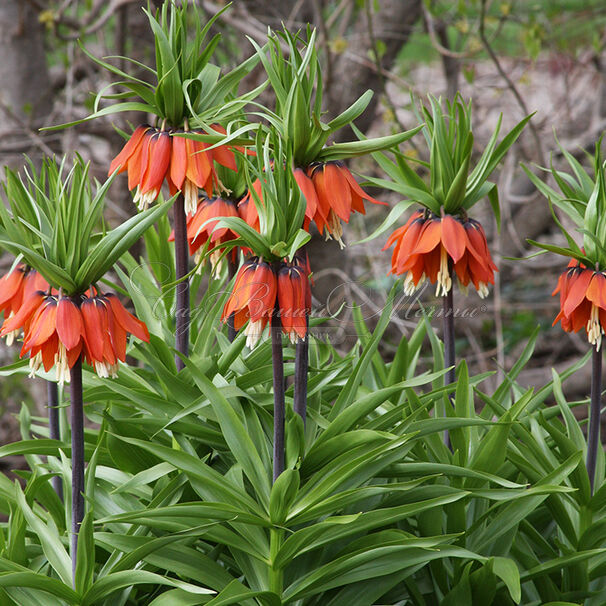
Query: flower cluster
<point x="331" y="195"/>
<point x="15" y="287"/>
<point x="262" y="290"/>
<point x="201" y="228"/>
<point x="431" y="247"/>
<point x="57" y="329"/>
<point x="153" y="155"/>
<point x="582" y="301"/>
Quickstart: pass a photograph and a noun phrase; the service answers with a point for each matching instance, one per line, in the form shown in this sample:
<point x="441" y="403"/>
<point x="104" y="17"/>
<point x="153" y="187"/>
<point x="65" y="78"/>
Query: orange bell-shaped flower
<point x="431" y="247"/>
<point x="582" y="301"/>
<point x="253" y="298"/>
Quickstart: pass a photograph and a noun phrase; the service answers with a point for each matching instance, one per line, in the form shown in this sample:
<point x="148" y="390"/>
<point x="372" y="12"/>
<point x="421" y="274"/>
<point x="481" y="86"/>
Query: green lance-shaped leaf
<point x="235" y="434"/>
<point x="113" y="245"/>
<point x="454" y="185"/>
<point x="50" y="541"/>
<point x="283" y="495"/>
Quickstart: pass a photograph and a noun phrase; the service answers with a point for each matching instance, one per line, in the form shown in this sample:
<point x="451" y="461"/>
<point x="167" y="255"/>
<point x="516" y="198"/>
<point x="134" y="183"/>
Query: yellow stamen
<point x="253" y="333"/>
<point x="334" y="229"/>
<point x="106" y="370"/>
<point x="61" y="364"/>
<point x="34" y="364"/>
<point x="190" y="196"/>
<point x="143" y="201"/>
<point x="594" y="329"/>
<point x="444" y="279"/>
<point x="483" y="290"/>
<point x="216" y="262"/>
<point x="13" y="334"/>
<point x="409" y="286"/>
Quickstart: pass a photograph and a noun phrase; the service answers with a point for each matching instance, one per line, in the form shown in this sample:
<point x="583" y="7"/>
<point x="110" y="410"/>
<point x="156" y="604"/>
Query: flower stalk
<point x="449" y="344"/>
<point x="182" y="312"/>
<point x="301" y="370"/>
<point x="449" y="338"/>
<point x="52" y="391"/>
<point x="278" y="381"/>
<point x="231" y="320"/>
<point x="276" y="575"/>
<point x="77" y="428"/>
<point x="593" y="439"/>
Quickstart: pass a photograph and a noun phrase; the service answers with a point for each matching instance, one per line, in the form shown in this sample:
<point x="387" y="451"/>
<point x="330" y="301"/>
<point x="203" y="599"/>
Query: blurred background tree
<point x="509" y="56"/>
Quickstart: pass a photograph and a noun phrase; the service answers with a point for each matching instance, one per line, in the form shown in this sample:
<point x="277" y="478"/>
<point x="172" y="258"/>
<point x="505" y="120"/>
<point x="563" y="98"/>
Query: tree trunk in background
<point x="353" y="72"/>
<point x="25" y="93"/>
<point x="350" y="74"/>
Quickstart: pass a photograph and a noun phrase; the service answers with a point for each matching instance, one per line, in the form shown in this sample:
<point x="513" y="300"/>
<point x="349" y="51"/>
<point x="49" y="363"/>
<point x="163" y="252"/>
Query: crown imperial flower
<point x="152" y="156"/>
<point x="57" y="329"/>
<point x="431" y="247"/>
<point x="257" y="289"/>
<point x="582" y="301"/>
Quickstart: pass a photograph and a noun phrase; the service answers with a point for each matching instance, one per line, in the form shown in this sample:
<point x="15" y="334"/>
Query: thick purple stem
<point x="449" y="344"/>
<point x="77" y="428"/>
<point x="301" y="369"/>
<point x="231" y="329"/>
<point x="54" y="429"/>
<point x="593" y="438"/>
<point x="182" y="311"/>
<point x="278" y="365"/>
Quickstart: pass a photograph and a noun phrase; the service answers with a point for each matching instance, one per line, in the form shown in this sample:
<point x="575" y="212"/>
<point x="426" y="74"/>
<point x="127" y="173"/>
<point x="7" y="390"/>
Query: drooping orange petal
<point x="477" y="243"/>
<point x="561" y="286"/>
<point x="431" y="262"/>
<point x="286" y="300"/>
<point x="240" y="292"/>
<point x="157" y="162"/>
<point x="10" y="284"/>
<point x="596" y="291"/>
<point x="198" y="163"/>
<point x="224" y="156"/>
<point x="357" y="189"/>
<point x="223" y="153"/>
<point x="118" y="337"/>
<point x="49" y="350"/>
<point x="24" y="314"/>
<point x="263" y="290"/>
<point x="324" y="203"/>
<point x="43" y="324"/>
<point x="462" y="269"/>
<point x="178" y="161"/>
<point x="69" y="323"/>
<point x="429" y="237"/>
<point x="94" y="327"/>
<point x="559" y="317"/>
<point x="109" y="355"/>
<point x="129" y="322"/>
<point x="580" y="316"/>
<point x="32" y="282"/>
<point x="138" y="161"/>
<point x="577" y="291"/>
<point x="300" y="287"/>
<point x="337" y="190"/>
<point x="240" y="318"/>
<point x="74" y="354"/>
<point x="409" y="242"/>
<point x="416" y="268"/>
<point x="308" y="190"/>
<point x="120" y="161"/>
<point x="247" y="211"/>
<point x="453" y="237"/>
